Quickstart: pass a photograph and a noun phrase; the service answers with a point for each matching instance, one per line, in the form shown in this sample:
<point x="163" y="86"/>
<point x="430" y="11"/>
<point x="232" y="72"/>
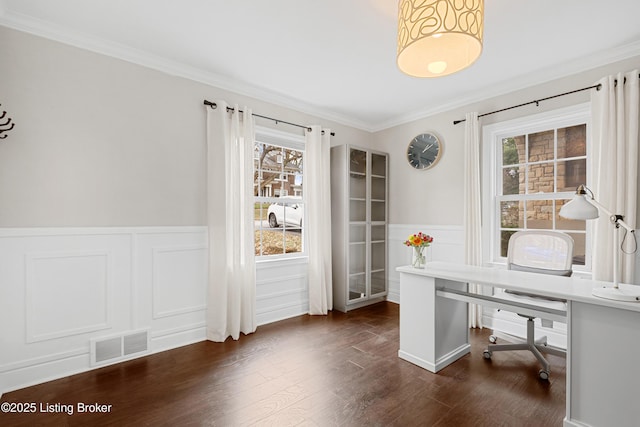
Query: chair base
<point x="535" y="346"/>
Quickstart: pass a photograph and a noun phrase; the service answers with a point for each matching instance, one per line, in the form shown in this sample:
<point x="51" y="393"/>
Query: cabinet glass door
<point x="357" y="261"/>
<point x="378" y="255"/>
<point x="378" y="259"/>
<point x="357" y="224"/>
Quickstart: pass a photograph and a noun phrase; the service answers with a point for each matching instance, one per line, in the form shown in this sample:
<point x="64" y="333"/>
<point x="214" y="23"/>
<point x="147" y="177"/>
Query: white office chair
<point x="536" y="251"/>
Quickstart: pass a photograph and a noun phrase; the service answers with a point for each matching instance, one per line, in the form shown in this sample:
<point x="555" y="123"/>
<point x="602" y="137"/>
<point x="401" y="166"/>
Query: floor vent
<point x="119" y="347"/>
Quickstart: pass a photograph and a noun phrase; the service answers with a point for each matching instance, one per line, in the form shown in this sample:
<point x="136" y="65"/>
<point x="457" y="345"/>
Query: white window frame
<point x="492" y="136"/>
<point x="295" y="142"/>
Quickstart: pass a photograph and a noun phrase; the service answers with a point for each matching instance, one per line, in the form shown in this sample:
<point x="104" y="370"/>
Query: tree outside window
<point x="279" y="203"/>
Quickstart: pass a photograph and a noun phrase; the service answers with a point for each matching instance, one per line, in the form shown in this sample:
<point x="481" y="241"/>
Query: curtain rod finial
<point x="210" y="104"/>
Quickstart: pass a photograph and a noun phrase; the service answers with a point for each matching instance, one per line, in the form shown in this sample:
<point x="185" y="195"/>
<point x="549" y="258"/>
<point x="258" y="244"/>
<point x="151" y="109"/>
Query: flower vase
<point x="418" y="257"/>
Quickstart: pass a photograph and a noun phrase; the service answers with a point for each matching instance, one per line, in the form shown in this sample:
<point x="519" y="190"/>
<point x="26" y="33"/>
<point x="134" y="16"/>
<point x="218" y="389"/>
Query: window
<point x="536" y="165"/>
<point x="278" y="191"/>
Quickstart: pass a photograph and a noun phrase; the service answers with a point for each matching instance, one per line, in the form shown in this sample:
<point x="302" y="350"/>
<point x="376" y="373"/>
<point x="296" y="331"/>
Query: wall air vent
<point x="117" y="348"/>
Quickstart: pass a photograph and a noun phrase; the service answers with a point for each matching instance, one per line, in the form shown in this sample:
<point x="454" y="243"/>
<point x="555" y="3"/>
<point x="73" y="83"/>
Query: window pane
<point x="285" y="186"/>
<point x="272" y="242"/>
<point x="578" y="248"/>
<point x="541" y="146"/>
<point x="256" y="177"/>
<point x="571" y="174"/>
<point x="292" y="166"/>
<point x="277" y="242"/>
<point x="293" y="240"/>
<point x="267" y="168"/>
<point x="511" y="214"/>
<point x="540" y="178"/>
<point x="260" y="213"/>
<point x="504" y="241"/>
<point x="513" y="150"/>
<point x="540" y="214"/>
<point x="513" y="180"/>
<point x="572" y="141"/>
<point x="568" y="224"/>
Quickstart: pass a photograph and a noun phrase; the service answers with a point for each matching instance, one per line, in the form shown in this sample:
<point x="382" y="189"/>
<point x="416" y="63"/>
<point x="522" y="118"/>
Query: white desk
<point x="603" y="336"/>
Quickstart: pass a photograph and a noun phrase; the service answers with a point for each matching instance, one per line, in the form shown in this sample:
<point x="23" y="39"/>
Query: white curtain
<point x="615" y="110"/>
<point x="317" y="188"/>
<point x="232" y="277"/>
<point x="472" y="209"/>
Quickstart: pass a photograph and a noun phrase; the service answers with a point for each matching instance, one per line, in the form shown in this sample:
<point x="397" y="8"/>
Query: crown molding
<point x="85" y="41"/>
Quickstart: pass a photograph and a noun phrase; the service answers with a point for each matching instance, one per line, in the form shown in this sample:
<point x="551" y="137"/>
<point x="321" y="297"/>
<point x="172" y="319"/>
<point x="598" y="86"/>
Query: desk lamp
<point x="583" y="207"/>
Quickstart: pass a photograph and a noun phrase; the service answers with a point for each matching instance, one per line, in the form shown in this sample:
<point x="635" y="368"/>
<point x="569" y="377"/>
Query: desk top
<point x="569" y="288"/>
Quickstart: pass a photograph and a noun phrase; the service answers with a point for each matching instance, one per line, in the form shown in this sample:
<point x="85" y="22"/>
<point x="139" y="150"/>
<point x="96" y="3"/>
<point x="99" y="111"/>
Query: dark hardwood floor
<point x="338" y="370"/>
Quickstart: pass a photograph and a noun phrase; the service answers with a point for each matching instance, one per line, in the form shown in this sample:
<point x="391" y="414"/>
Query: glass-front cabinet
<point x="359" y="226"/>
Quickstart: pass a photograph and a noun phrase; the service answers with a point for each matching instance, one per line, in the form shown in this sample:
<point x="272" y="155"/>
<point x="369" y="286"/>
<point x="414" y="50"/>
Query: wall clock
<point x="424" y="151"/>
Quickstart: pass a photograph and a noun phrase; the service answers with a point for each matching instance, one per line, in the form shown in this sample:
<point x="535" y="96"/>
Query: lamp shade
<point x="439" y="37"/>
<point x="579" y="208"/>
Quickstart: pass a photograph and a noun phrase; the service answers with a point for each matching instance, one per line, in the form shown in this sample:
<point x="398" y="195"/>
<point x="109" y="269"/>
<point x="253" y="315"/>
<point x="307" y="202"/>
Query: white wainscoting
<point x="448" y="245"/>
<point x="281" y="289"/>
<point x="60" y="288"/>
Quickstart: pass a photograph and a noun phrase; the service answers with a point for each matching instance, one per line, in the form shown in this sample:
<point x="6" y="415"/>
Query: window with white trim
<point x="278" y="160"/>
<point x="535" y="165"/>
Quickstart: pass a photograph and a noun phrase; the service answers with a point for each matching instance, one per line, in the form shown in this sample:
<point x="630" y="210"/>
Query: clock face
<point x="424" y="151"/>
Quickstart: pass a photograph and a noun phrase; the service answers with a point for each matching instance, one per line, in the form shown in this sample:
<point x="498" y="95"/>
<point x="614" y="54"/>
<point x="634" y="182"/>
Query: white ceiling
<point x="336" y="58"/>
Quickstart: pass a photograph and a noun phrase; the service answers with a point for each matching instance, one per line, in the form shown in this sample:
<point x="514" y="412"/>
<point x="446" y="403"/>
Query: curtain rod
<point x="214" y="105"/>
<point x="537" y="102"/>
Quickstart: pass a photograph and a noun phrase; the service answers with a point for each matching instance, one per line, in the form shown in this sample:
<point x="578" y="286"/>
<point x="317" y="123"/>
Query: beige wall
<point x="103" y="142"/>
<point x="435" y="196"/>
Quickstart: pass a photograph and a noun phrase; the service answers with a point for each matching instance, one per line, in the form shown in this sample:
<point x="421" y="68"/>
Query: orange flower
<point x="418" y="239"/>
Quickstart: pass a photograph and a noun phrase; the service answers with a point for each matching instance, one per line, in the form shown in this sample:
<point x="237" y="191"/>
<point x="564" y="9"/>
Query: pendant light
<point x="438" y="37"/>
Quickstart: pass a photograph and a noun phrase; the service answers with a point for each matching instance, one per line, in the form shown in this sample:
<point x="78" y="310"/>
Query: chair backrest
<point x="541" y="251"/>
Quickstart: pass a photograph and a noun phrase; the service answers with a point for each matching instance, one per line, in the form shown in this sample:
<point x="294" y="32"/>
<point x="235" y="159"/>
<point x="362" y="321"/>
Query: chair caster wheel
<point x="544" y="375"/>
<point x="486" y="354"/>
<point x="493" y="339"/>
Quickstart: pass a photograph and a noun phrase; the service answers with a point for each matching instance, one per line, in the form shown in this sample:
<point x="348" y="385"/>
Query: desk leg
<point x="434" y="331"/>
<point x="603" y="368"/>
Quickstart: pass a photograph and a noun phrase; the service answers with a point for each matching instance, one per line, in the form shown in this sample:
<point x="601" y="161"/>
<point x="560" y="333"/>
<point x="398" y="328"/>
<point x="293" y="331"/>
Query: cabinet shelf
<point x="359" y="227"/>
